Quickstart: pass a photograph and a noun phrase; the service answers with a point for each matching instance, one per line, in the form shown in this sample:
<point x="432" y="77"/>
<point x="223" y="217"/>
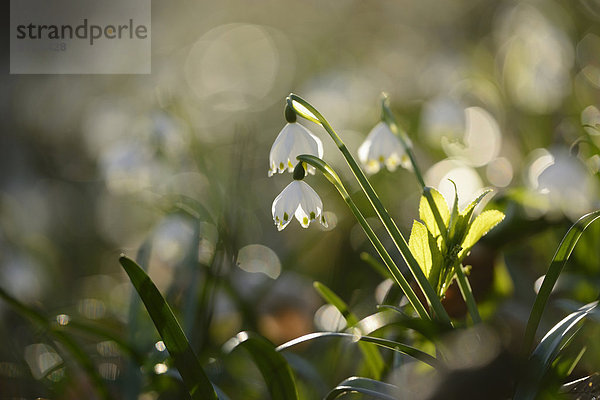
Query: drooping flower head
<point x="293" y="140"/>
<point x="382" y="147"/>
<point x="300" y="200"/>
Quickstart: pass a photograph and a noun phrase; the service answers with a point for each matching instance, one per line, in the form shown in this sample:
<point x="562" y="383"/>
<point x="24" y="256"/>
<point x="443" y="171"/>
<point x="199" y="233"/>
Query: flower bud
<point x="299" y="172"/>
<point x="290" y="114"/>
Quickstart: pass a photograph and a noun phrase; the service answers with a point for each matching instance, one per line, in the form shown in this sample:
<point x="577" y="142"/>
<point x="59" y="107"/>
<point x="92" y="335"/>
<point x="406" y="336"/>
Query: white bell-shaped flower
<point x="300" y="200"/>
<point x="382" y="147"/>
<point x="293" y="140"/>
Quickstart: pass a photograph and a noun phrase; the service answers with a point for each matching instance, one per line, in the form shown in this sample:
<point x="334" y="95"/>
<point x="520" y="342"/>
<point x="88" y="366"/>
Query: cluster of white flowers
<point x="380" y="148"/>
<point x="298" y="198"/>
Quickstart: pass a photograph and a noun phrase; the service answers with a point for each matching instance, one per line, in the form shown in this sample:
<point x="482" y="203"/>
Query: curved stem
<point x="308" y="111"/>
<point x="332" y="177"/>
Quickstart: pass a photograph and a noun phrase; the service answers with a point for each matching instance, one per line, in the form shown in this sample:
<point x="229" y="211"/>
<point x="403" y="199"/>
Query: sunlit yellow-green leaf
<point x="426" y="214"/>
<point x="480" y="226"/>
<point x="418" y="243"/>
<point x="469" y="208"/>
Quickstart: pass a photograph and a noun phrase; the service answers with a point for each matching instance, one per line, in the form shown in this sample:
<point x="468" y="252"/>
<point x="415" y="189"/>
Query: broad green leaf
<point x="468" y="211"/>
<point x="418" y="243"/>
<point x="272" y="365"/>
<point x="426" y="214"/>
<point x="365" y="386"/>
<point x="372" y="356"/>
<point x="558" y="261"/>
<point x="184" y="358"/>
<point x="425" y="249"/>
<point x="389" y="344"/>
<point x="480" y="226"/>
<point x="547" y="350"/>
<point x="463" y="220"/>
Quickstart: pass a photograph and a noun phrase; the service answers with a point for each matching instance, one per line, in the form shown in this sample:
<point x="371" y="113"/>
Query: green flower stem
<point x="332" y="177"/>
<point x="467" y="293"/>
<point x="382" y="213"/>
<point x="463" y="283"/>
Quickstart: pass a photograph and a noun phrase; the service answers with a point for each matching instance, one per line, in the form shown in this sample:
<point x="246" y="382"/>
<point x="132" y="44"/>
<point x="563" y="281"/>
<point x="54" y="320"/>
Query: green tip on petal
<point x="312" y="215"/>
<point x="286" y="216"/>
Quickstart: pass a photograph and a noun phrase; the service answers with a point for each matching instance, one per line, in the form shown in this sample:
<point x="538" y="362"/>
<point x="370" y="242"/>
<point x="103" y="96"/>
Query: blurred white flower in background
<point x="537" y="57"/>
<point x="382" y="148"/>
<point x="467" y="180"/>
<point x="591" y="116"/>
<point x="481" y="142"/>
<point x="443" y="117"/>
<point x="568" y="185"/>
<point x="560" y="184"/>
<point x="300" y="200"/>
<point x="293" y="140"/>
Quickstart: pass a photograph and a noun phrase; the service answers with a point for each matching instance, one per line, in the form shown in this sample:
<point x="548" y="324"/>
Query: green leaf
<point x="547" y="350"/>
<point x="272" y="365"/>
<point x="372" y="356"/>
<point x="376" y="265"/>
<point x="425" y="249"/>
<point x="426" y="214"/>
<point x="558" y="261"/>
<point x="330" y="297"/>
<point x="418" y="243"/>
<point x="463" y="220"/>
<point x="480" y="226"/>
<point x="365" y="386"/>
<point x="468" y="211"/>
<point x="184" y="358"/>
<point x="454" y="214"/>
<point x="389" y="344"/>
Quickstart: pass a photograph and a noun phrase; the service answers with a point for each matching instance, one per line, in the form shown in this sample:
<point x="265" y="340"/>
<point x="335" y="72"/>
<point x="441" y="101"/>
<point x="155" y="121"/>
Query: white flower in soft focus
<point x="293" y="140"/>
<point x="382" y="147"/>
<point x="300" y="200"/>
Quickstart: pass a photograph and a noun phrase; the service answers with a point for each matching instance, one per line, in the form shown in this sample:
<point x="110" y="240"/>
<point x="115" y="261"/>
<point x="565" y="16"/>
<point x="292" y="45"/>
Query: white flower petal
<point x="285" y="205"/>
<point x="311" y="206"/>
<point x="293" y="140"/>
<point x="382" y="147"/>
<point x="301" y="201"/>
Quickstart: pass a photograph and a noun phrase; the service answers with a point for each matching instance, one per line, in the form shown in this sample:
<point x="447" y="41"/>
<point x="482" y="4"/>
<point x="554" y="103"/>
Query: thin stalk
<point x="387" y="259"/>
<point x="467" y="293"/>
<point x="382" y="213"/>
<point x="463" y="283"/>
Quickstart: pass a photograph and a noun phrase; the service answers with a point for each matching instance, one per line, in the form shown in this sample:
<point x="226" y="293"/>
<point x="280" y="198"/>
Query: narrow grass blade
<point x="389" y="344"/>
<point x="186" y="362"/>
<point x="376" y="265"/>
<point x="273" y="366"/>
<point x="558" y="262"/>
<point x="371" y="354"/>
<point x="365" y="386"/>
<point x="547" y="350"/>
<point x="429" y="329"/>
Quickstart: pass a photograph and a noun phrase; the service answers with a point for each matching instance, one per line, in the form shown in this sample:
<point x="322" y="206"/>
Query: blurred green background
<point x="492" y="93"/>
